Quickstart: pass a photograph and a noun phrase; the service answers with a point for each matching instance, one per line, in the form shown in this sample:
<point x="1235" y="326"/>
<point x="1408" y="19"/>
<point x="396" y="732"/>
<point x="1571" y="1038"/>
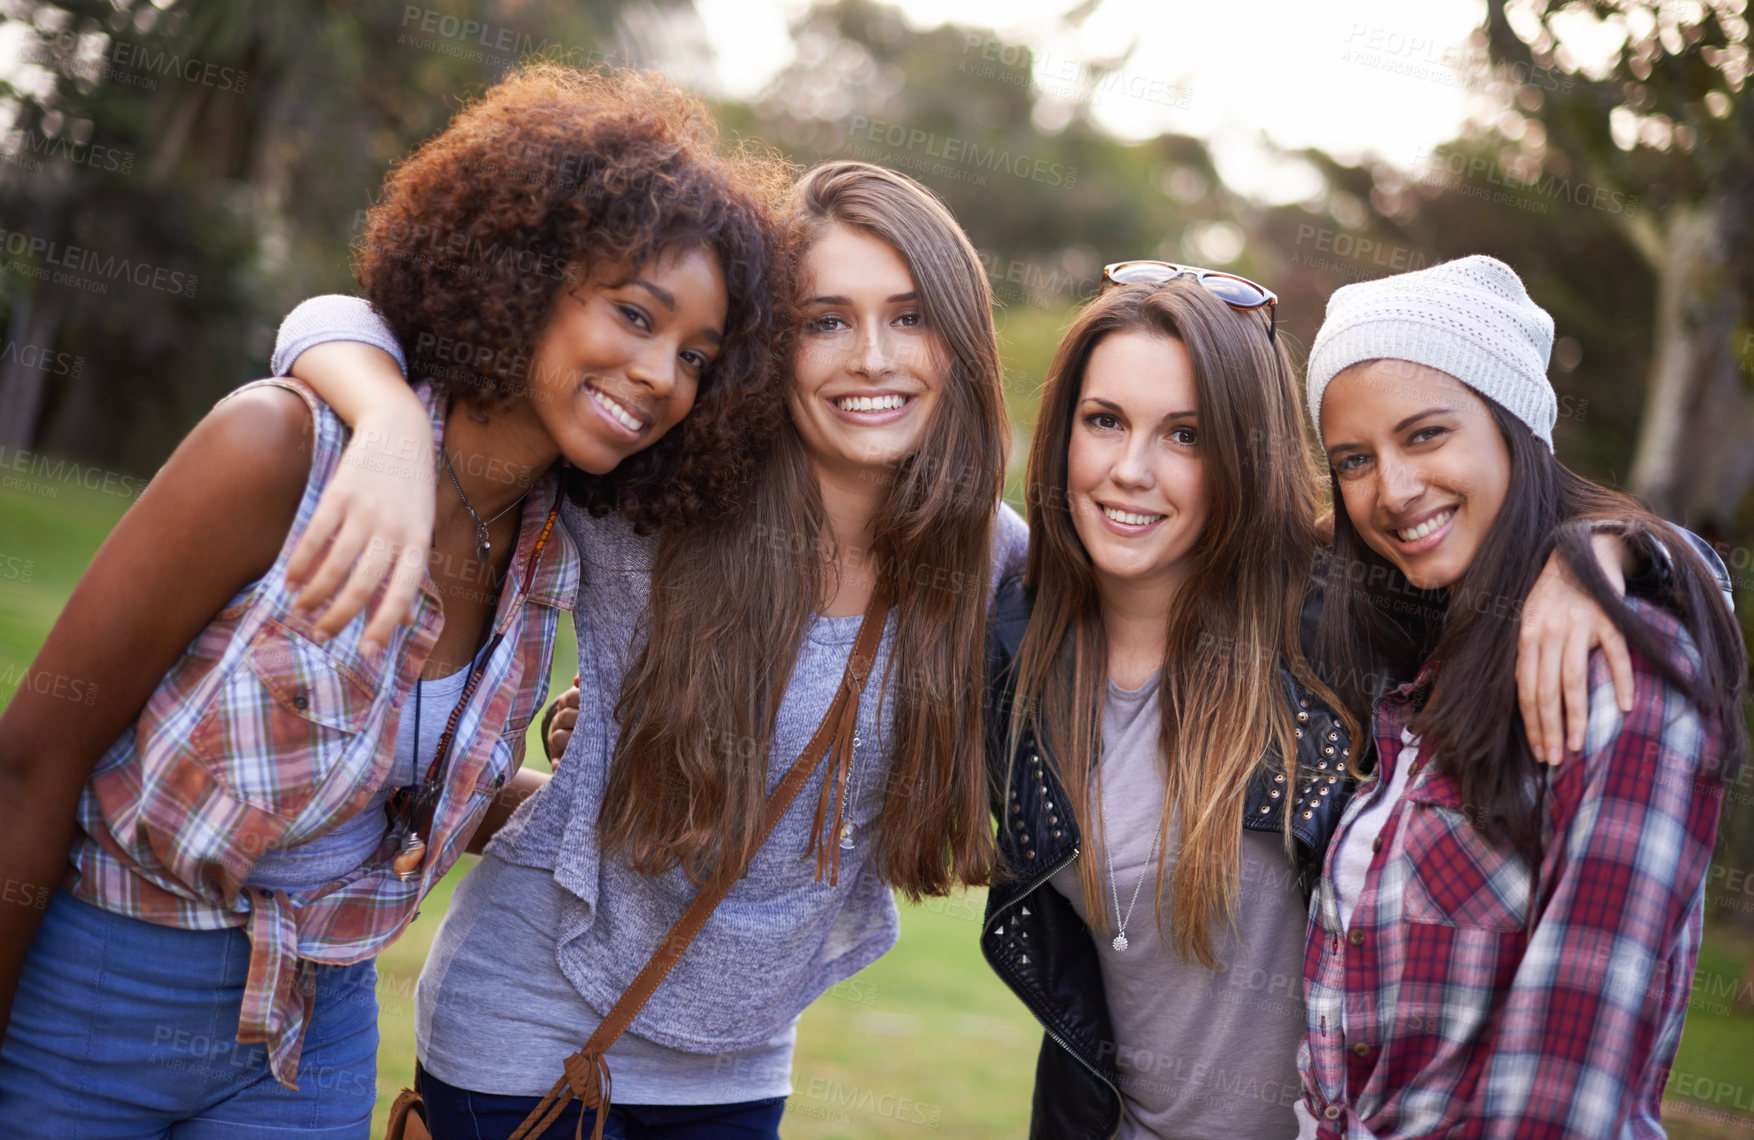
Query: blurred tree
<point x="1649" y="100"/>
<point x="1003" y="134"/>
<point x="178" y="173"/>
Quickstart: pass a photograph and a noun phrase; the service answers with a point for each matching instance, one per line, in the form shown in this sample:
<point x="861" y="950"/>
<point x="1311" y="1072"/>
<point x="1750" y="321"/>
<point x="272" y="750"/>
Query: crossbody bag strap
<point x="587" y="1072"/>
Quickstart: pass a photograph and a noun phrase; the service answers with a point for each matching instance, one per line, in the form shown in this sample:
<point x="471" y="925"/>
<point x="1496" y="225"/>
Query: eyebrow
<point x="893" y="299"/>
<point x="668" y="299"/>
<point x="1396" y="430"/>
<point x="1189" y="414"/>
<point x="664" y="295"/>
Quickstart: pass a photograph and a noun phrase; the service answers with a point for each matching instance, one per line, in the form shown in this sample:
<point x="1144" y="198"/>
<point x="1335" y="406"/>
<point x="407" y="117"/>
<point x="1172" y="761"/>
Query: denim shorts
<point x="126" y="1029"/>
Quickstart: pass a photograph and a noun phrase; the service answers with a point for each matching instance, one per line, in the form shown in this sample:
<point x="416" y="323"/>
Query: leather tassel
<point x="834" y="783"/>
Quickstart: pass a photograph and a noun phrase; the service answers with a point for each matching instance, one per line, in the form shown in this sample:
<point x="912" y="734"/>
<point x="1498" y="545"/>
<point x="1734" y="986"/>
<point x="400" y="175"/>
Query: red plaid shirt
<point x="1460" y="1003"/>
<point x="260" y="737"/>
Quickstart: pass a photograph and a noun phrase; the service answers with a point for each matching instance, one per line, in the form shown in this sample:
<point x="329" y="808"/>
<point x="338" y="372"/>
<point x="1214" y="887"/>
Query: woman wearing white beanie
<point x="1497" y="947"/>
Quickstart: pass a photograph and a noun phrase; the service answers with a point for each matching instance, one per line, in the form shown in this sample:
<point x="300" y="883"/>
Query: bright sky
<point x="1346" y="76"/>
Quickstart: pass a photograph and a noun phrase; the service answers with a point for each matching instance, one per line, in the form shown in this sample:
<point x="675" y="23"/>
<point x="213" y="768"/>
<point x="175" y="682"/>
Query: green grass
<point x="926" y="1039"/>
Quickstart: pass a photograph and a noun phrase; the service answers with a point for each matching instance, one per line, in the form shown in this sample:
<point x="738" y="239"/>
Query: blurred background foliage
<point x="230" y="149"/>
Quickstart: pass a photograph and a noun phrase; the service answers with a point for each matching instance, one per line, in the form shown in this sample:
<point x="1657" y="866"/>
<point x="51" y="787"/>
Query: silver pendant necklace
<point x="846" y="813"/>
<point x="483" y="548"/>
<point x="1120" y="939"/>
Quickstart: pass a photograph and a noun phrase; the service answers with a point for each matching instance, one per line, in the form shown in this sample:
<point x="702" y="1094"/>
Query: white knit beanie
<point x="1470" y="317"/>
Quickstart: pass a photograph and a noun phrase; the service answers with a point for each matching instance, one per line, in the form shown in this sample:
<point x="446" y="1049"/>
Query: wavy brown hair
<point x="732" y="602"/>
<point x="1236" y="614"/>
<point x="551" y="173"/>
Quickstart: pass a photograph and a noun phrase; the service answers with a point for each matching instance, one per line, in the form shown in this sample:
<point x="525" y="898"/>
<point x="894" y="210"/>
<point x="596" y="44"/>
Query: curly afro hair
<point x="550" y="173"/>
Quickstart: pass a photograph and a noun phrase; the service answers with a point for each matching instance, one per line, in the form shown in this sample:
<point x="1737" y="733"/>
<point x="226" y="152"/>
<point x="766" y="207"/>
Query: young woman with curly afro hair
<point x="263" y="796"/>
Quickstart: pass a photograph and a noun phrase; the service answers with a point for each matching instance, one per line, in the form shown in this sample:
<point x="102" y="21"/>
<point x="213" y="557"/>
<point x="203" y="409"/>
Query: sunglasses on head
<point x="1239" y="293"/>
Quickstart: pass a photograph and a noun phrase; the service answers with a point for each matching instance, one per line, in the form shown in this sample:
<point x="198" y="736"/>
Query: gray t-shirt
<point x="719" y="1030"/>
<point x="777" y="941"/>
<point x="1202" y="1054"/>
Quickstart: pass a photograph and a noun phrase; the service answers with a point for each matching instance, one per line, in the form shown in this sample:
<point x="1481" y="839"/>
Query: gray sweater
<point x="779" y="939"/>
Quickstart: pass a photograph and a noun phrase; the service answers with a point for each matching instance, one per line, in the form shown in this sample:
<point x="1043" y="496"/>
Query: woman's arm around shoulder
<point x="373" y="525"/>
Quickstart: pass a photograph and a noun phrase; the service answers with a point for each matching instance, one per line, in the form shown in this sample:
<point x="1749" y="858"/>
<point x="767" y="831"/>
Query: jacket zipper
<point x="1046" y="1028"/>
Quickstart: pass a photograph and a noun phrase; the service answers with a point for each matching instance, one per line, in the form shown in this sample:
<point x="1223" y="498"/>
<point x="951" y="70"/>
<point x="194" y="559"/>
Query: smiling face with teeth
<point x="868" y="371"/>
<point x="1422" y="468"/>
<point x="1135" y="479"/>
<point x="621" y="358"/>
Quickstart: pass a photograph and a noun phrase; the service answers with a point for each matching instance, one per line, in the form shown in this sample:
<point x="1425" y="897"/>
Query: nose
<point x="874" y="356"/>
<point x="1399" y="483"/>
<point x="656" y="368"/>
<point x="1132" y="463"/>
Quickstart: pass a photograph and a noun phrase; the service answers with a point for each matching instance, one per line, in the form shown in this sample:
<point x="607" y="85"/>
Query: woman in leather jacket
<point x="1172" y="508"/>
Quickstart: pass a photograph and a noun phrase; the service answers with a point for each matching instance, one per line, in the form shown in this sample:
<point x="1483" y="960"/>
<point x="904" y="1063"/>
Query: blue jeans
<point x="458" y="1114"/>
<point x="125" y="1030"/>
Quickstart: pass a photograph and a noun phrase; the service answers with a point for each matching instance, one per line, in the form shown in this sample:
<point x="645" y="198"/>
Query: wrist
<point x="400" y="437"/>
<point x="1614" y="555"/>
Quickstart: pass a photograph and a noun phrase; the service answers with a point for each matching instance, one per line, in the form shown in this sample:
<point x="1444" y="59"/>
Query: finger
<point x="565" y="719"/>
<point x="1547" y="702"/>
<point x="1528" y="663"/>
<point x="401" y="597"/>
<point x="1619" y="666"/>
<point x="309" y="551"/>
<point x="1574" y="678"/>
<point x="570" y="699"/>
<point x="557" y="740"/>
<point x="337" y="564"/>
<point x="348" y="604"/>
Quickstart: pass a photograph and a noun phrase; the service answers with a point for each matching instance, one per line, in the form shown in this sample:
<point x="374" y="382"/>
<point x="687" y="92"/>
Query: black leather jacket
<point x="1036" y="942"/>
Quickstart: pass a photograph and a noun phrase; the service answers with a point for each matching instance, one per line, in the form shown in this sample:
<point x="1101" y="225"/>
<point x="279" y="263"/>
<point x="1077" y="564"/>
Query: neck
<point x="849" y="500"/>
<point x="496" y="459"/>
<point x="1135" y="624"/>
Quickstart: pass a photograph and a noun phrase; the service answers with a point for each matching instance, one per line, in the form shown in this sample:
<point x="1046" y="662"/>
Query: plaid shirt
<point x="260" y="737"/>
<point x="1456" y="1003"/>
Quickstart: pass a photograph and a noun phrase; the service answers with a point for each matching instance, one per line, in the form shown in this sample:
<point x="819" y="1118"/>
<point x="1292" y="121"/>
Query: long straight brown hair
<point x="1235" y="617"/>
<point x="732" y="600"/>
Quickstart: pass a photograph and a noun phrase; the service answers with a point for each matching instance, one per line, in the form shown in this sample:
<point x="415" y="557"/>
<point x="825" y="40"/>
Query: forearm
<point x="366" y="388"/>
<point x="33" y="857"/>
<point x="520" y="788"/>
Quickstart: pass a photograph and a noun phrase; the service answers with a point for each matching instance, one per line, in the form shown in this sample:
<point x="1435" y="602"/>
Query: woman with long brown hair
<point x="1498" y="948"/>
<point x="1168" y="767"/>
<point x="708" y="657"/>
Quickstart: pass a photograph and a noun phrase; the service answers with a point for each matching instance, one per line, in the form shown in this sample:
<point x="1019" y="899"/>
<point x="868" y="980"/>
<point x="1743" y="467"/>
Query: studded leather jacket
<point x="1035" y="941"/>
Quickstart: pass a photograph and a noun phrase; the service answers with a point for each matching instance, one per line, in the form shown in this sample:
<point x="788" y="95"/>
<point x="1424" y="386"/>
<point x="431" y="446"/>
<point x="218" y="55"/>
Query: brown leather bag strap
<point x="587" y="1073"/>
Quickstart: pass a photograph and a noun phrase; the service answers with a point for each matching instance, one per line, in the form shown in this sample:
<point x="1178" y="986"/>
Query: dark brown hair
<point x="731" y="604"/>
<point x="1235" y="618"/>
<point x="1370" y="612"/>
<point x="553" y="172"/>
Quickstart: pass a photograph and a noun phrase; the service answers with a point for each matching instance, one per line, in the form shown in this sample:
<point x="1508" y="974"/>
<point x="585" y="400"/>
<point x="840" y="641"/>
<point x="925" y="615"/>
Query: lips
<point x="1429" y="526"/>
<point x="887" y="402"/>
<point x="1131" y="518"/>
<point x="615" y="410"/>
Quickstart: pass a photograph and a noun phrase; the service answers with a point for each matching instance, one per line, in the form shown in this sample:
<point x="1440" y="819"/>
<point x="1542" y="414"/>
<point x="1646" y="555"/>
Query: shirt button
<point x="1361" y="1049"/>
<point x="300" y="701"/>
<point x="1332" y="1112"/>
<point x="1376" y="844"/>
<point x="1356" y="938"/>
<point x="499" y="781"/>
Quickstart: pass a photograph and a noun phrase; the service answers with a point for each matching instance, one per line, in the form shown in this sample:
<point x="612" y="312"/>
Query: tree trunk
<point x="24" y="374"/>
<point x="1693" y="462"/>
